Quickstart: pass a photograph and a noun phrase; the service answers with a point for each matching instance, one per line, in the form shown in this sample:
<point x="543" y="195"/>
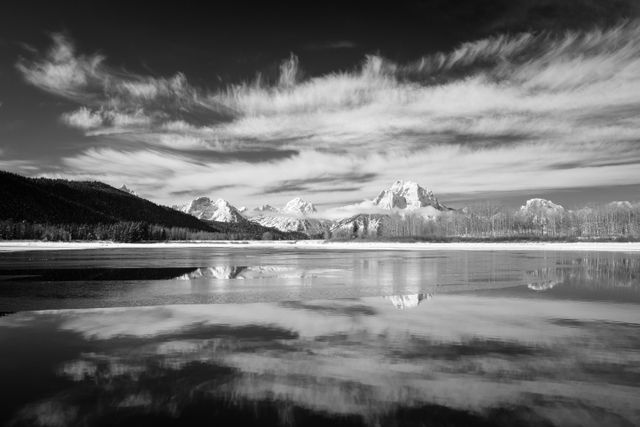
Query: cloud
<point x="83" y="118"/>
<point x="89" y="80"/>
<point x="63" y="72"/>
<point x="504" y="113"/>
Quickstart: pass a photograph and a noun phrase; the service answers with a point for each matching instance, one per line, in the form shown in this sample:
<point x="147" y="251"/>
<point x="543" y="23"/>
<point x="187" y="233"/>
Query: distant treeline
<point x="123" y="231"/>
<point x="491" y="222"/>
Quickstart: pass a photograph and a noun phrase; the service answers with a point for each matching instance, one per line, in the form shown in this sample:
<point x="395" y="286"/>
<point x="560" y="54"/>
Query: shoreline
<point x="22" y="246"/>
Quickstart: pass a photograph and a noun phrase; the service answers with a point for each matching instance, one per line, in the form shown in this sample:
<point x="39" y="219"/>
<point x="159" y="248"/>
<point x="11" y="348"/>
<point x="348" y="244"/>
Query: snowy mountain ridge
<point x="294" y="216"/>
<point x="220" y="210"/>
<point x="406" y="195"/>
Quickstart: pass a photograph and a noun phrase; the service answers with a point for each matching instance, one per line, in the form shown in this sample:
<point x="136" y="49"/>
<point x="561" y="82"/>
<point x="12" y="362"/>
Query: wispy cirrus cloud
<point x="510" y="112"/>
<point x="63" y="72"/>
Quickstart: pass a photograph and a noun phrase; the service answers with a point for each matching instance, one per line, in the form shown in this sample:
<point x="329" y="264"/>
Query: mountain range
<point x="58" y="201"/>
<point x="299" y="215"/>
<point x="366" y="218"/>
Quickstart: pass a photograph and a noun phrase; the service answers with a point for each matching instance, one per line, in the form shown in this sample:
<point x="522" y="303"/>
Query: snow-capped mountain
<point x="407" y="195"/>
<point x="402" y="197"/>
<point x="298" y="206"/>
<point x="294" y="216"/>
<point x="128" y="190"/>
<point x="220" y="210"/>
<point x="364" y="219"/>
<point x="309" y="226"/>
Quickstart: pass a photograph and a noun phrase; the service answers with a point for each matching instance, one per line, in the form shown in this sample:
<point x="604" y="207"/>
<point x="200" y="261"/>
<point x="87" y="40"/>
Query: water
<point x="318" y="337"/>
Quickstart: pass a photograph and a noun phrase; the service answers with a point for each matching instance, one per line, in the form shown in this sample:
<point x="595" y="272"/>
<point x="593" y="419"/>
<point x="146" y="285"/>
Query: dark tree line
<point x="123" y="231"/>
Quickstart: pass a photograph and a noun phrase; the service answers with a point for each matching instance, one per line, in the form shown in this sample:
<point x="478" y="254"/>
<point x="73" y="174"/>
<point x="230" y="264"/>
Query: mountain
<point x="58" y="201"/>
<point x="293" y="217"/>
<point x="251" y="230"/>
<point x="402" y="197"/>
<point x="406" y="195"/>
<point x="224" y="217"/>
<point x="299" y="206"/>
<point x="308" y="226"/>
<point x="206" y="209"/>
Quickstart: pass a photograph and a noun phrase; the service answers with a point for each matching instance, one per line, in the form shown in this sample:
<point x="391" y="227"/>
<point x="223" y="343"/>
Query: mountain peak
<point x="406" y="195"/>
<point x="220" y="210"/>
<point x="127" y="190"/>
<point x="299" y="206"/>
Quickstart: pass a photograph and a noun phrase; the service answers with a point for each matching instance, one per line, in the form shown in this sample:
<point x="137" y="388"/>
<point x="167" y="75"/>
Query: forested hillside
<point x="57" y="209"/>
<point x="58" y="201"/>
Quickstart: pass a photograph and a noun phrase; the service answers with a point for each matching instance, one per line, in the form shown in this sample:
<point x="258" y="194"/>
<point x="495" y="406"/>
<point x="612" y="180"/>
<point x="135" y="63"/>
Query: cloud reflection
<point x="361" y="358"/>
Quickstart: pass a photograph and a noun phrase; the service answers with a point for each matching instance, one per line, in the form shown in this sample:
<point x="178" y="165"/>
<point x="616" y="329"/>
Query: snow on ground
<point x="16" y="246"/>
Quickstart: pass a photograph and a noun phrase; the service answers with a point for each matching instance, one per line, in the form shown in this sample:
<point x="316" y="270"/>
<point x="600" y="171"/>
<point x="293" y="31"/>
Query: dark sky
<point x="90" y="123"/>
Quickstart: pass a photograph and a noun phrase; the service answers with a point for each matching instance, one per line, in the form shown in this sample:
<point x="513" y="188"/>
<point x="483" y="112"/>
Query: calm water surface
<point x="317" y="337"/>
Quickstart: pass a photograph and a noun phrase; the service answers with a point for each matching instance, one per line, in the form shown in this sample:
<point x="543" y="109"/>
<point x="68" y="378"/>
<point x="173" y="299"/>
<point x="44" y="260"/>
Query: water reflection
<point x="402" y="302"/>
<point x="91" y="274"/>
<point x="250" y="272"/>
<point x="120" y="277"/>
<point x="460" y="360"/>
<point x="329" y="337"/>
<point x="605" y="277"/>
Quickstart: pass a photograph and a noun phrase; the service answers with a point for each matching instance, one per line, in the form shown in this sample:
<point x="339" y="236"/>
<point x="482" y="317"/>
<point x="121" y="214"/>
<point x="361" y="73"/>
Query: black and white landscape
<point x="419" y="213"/>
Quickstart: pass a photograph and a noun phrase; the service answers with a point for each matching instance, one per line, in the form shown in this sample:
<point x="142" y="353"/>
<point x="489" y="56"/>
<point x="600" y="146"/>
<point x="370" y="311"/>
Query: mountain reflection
<point x="467" y="360"/>
<point x="244" y="272"/>
<point x="116" y="278"/>
<point x="402" y="302"/>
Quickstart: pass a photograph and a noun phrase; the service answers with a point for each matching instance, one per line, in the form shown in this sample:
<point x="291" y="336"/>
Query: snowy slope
<point x="294" y="216"/>
<point x="220" y="210"/>
<point x="406" y="195"/>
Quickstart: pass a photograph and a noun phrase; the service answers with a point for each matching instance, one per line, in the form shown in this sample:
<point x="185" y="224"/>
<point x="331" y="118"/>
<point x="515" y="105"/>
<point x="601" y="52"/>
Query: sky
<point x="260" y="103"/>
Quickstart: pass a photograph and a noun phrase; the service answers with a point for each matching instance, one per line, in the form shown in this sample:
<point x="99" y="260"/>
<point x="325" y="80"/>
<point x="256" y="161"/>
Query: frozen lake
<point x="261" y="336"/>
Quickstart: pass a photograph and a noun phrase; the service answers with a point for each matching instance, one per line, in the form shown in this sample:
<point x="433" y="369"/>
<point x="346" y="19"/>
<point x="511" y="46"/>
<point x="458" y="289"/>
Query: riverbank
<point x="19" y="246"/>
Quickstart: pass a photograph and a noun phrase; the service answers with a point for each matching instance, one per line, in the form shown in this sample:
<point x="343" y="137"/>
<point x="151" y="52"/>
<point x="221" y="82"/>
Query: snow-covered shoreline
<point x="19" y="246"/>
